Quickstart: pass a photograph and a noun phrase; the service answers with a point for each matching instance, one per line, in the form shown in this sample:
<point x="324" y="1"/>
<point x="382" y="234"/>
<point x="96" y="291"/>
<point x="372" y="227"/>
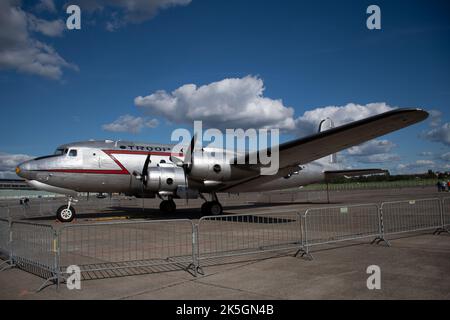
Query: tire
<point x="215" y="208"/>
<point x="64" y="214"/>
<point x="167" y="206"/>
<point x="205" y="208"/>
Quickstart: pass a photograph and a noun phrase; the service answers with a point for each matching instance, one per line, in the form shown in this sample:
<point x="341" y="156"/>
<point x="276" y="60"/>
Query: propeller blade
<point x="188" y="156"/>
<point x="145" y="170"/>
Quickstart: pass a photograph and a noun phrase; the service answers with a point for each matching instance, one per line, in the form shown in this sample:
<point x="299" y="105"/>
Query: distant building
<point x="14" y="184"/>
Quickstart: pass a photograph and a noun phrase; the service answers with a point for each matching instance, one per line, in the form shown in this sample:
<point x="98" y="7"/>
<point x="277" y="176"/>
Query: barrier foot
<point x="304" y="254"/>
<point x="199" y="270"/>
<point x="192" y="269"/>
<point x="379" y="240"/>
<point x="438" y="231"/>
<point x="9" y="264"/>
<point x="48" y="282"/>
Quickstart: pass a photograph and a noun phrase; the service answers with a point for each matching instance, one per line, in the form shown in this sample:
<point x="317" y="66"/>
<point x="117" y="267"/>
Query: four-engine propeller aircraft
<point x="150" y="170"/>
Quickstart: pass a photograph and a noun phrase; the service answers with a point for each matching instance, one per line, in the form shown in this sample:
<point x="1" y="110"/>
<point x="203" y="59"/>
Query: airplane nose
<point x="22" y="170"/>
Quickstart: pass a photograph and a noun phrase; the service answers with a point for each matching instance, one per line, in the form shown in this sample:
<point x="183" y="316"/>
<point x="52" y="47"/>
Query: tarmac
<point x="415" y="266"/>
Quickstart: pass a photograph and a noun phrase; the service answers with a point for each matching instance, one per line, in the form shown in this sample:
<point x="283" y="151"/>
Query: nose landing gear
<point x="66" y="213"/>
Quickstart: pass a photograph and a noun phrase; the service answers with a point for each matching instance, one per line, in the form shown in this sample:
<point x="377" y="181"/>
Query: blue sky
<point x="308" y="54"/>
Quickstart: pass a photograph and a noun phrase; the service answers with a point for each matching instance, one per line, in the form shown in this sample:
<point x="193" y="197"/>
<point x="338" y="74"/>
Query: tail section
<point x="324" y="125"/>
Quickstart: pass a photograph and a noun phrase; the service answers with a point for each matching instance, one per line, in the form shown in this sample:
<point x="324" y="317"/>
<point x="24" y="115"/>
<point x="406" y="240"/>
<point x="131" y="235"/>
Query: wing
<point x="307" y="149"/>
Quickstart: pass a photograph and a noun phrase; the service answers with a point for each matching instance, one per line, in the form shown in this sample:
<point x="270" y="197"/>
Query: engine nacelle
<point x="207" y="168"/>
<point x="164" y="178"/>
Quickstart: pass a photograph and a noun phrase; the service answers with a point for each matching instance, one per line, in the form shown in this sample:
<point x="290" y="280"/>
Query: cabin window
<point x="72" y="153"/>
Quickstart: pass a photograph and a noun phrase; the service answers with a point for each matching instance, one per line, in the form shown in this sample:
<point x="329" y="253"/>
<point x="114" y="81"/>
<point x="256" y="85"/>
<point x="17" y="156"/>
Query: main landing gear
<point x="213" y="207"/>
<point x="66" y="213"/>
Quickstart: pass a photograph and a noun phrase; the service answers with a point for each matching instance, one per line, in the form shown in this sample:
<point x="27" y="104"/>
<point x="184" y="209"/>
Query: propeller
<point x="188" y="162"/>
<point x="145" y="171"/>
<point x="144" y="175"/>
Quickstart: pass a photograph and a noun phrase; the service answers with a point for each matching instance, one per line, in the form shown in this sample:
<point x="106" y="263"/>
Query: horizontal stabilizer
<point x="353" y="173"/>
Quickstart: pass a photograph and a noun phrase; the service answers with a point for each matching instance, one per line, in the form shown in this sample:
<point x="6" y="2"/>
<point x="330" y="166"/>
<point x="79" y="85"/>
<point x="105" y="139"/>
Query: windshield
<point x="59" y="152"/>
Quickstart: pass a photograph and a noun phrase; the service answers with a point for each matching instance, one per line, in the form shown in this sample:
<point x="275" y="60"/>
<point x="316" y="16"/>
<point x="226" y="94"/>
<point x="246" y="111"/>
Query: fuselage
<point x="111" y="166"/>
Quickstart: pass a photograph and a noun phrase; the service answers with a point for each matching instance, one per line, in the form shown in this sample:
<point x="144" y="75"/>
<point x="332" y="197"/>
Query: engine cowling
<point x="207" y="168"/>
<point x="163" y="178"/>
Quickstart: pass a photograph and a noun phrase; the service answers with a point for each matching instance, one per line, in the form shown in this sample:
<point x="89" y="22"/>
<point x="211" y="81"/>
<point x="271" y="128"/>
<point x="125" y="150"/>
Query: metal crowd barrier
<point x="446" y="212"/>
<point x="334" y="224"/>
<point x="113" y="248"/>
<point x="33" y="248"/>
<point x="5" y="239"/>
<point x="412" y="215"/>
<point x="121" y="246"/>
<point x="244" y="234"/>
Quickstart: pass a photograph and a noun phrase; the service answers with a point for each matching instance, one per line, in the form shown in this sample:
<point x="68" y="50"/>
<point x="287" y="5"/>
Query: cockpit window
<point x="72" y="153"/>
<point x="59" y="152"/>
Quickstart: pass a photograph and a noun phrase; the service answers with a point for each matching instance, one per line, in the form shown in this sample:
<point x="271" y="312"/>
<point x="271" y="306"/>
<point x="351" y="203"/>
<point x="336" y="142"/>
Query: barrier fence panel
<point x="5" y="245"/>
<point x="126" y="245"/>
<point x="33" y="248"/>
<point x="411" y="215"/>
<point x="334" y="224"/>
<point x="240" y="234"/>
<point x="446" y="212"/>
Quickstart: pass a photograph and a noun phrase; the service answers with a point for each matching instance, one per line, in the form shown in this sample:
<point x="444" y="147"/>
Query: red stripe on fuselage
<point x="110" y="154"/>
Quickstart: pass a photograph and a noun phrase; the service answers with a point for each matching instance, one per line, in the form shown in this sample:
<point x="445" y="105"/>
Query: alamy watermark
<point x="235" y="146"/>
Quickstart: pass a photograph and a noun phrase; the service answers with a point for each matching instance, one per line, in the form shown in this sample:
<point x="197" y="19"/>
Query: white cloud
<point x="54" y="28"/>
<point x="308" y="123"/>
<point x="445" y="156"/>
<point x="128" y="11"/>
<point x="128" y="123"/>
<point x="46" y="5"/>
<point x="435" y="118"/>
<point x="426" y="154"/>
<point x="8" y="163"/>
<point x="419" y="166"/>
<point x="372" y="147"/>
<point x="379" y="158"/>
<point x="229" y="103"/>
<point x="439" y="134"/>
<point x="20" y="51"/>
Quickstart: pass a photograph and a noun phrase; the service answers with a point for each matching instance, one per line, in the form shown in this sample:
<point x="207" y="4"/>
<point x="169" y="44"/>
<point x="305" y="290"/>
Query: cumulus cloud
<point x="46" y="5"/>
<point x="20" y="51"/>
<point x="122" y="12"/>
<point x="419" y="166"/>
<point x="445" y="156"/>
<point x="372" y="147"/>
<point x="426" y="154"/>
<point x="308" y="123"/>
<point x="374" y="151"/>
<point x="439" y="134"/>
<point x="231" y="103"/>
<point x="131" y="124"/>
<point x="435" y="118"/>
<point x="8" y="163"/>
<point x="54" y="28"/>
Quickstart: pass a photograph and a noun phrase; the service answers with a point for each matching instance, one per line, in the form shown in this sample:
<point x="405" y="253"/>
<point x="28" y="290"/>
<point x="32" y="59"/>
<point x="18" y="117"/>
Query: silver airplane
<point x="148" y="170"/>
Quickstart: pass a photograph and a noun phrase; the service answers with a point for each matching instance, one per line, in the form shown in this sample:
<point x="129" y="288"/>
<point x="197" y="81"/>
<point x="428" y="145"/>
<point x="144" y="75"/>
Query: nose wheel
<point x="66" y="213"/>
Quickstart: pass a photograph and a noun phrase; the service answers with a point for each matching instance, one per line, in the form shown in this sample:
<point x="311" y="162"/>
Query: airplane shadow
<point x="181" y="213"/>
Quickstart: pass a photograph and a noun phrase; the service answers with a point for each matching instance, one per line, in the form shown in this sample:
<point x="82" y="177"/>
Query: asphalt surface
<point x="415" y="266"/>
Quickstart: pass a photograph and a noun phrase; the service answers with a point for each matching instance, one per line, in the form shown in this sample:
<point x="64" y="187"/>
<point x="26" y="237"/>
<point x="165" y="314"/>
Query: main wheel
<point x="205" y="208"/>
<point x="65" y="214"/>
<point x="167" y="206"/>
<point x="215" y="208"/>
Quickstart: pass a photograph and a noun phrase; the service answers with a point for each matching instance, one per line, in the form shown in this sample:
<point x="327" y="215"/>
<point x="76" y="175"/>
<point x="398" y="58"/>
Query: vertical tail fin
<point x="324" y="127"/>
